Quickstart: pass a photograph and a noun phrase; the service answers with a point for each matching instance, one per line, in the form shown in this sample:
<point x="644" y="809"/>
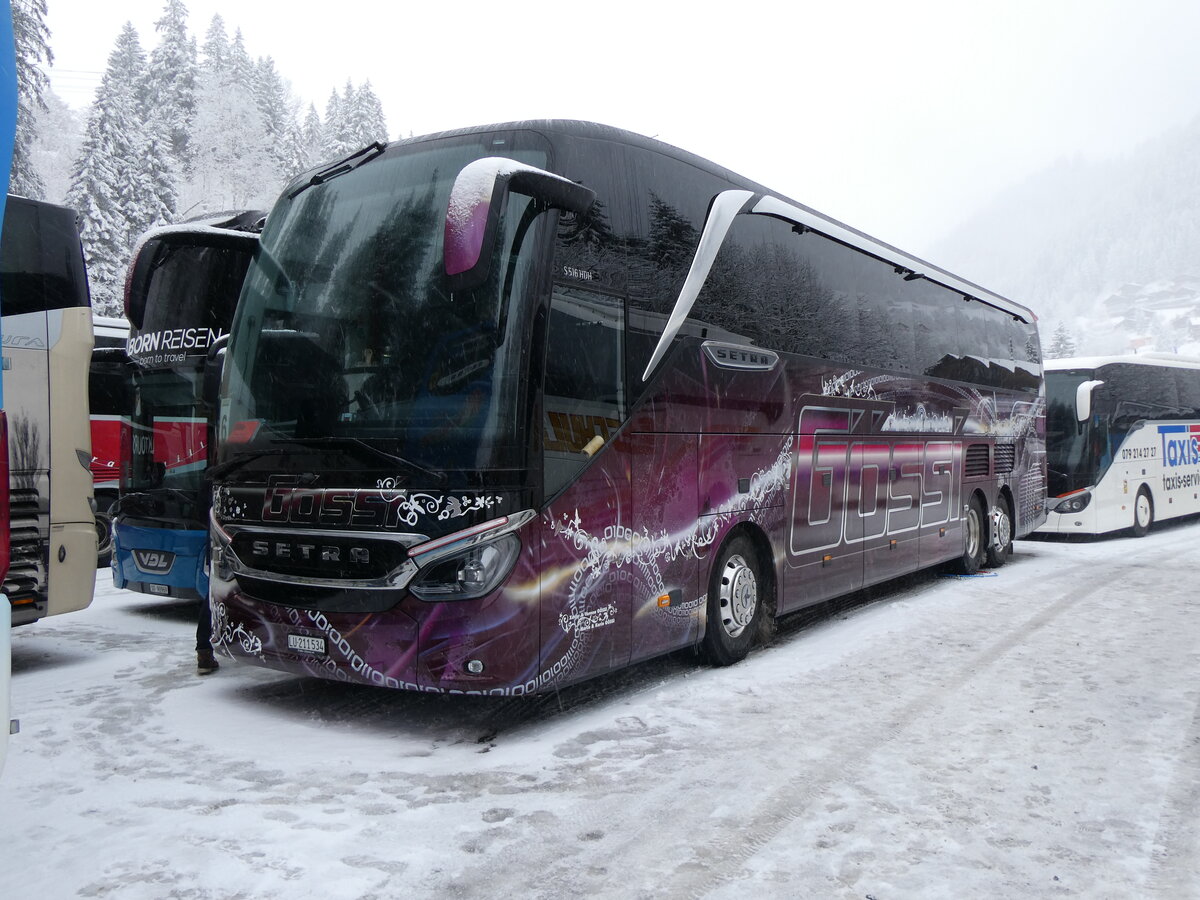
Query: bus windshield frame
<point x="350" y="332"/>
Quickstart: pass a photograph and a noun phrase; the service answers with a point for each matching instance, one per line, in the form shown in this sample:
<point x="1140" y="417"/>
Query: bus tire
<point x="735" y="603"/>
<point x="1000" y="540"/>
<point x="104" y="535"/>
<point x="974" y="539"/>
<point x="1143" y="512"/>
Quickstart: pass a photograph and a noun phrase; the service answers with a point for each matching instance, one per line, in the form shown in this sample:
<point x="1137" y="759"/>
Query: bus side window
<point x="584" y="398"/>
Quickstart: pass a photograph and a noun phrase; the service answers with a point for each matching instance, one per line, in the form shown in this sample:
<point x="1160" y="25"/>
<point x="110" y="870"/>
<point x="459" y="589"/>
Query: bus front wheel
<point x="735" y="603"/>
<point x="1143" y="512"/>
<point x="975" y="539"/>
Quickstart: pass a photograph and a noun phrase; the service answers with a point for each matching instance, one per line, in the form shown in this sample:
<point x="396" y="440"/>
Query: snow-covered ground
<point x="1031" y="734"/>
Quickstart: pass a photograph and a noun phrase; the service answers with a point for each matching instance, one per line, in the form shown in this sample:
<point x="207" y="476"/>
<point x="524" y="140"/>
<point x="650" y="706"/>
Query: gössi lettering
<point x="1180" y="444"/>
<point x="174" y="340"/>
<point x="849" y="489"/>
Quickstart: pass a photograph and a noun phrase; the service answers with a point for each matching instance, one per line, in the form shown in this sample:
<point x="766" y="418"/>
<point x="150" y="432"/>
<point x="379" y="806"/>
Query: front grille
<point x="1006" y="457"/>
<point x="319" y="599"/>
<point x="351" y="557"/>
<point x="27" y="561"/>
<point x="976" y="463"/>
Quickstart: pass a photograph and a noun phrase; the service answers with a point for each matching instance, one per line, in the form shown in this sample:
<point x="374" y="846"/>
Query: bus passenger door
<point x="588" y="556"/>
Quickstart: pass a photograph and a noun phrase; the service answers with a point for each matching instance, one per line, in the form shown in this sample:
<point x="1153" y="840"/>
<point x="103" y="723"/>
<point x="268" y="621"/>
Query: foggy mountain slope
<point x="1069" y="237"/>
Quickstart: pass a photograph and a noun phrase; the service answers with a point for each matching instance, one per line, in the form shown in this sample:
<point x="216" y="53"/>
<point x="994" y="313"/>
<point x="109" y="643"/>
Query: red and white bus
<point x="110" y="402"/>
<point x="1122" y="441"/>
<point x="509" y="407"/>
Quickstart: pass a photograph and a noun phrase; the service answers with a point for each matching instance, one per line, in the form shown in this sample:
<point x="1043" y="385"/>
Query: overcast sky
<point x="900" y="118"/>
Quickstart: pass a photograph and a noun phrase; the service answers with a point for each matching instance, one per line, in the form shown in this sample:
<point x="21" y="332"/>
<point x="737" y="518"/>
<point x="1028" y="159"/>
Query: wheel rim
<point x="103" y="534"/>
<point x="1001" y="528"/>
<point x="974" y="532"/>
<point x="1143" y="511"/>
<point x="738" y="596"/>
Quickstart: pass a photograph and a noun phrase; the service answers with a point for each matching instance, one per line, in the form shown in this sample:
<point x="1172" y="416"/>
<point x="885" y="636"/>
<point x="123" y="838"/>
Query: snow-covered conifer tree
<point x="215" y="49"/>
<point x="171" y="78"/>
<point x="31" y="42"/>
<point x="335" y="136"/>
<point x="239" y="66"/>
<point x="307" y="145"/>
<point x="274" y="100"/>
<point x="109" y="201"/>
<point x="367" y="121"/>
<point x="1062" y="344"/>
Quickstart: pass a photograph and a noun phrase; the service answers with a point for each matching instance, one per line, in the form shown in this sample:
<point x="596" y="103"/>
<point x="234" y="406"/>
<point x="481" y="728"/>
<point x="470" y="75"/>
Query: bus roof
<point x="838" y="231"/>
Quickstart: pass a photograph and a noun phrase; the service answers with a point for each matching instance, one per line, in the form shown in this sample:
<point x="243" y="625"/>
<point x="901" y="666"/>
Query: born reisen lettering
<point x="176" y="339"/>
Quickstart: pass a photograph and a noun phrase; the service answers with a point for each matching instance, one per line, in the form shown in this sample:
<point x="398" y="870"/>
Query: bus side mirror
<point x="1083" y="400"/>
<point x="477" y="204"/>
<point x="214" y="365"/>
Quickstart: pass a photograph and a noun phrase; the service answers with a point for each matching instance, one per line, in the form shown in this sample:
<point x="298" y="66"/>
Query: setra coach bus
<point x="509" y="407"/>
<point x="1122" y="442"/>
<point x="181" y="290"/>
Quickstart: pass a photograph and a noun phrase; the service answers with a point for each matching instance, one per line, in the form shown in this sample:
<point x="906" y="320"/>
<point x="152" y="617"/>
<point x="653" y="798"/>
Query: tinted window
<point x="585" y="380"/>
<point x="41" y="260"/>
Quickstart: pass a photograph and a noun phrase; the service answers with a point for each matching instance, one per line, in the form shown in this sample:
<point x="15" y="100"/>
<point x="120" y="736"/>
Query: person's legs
<point x="206" y="663"/>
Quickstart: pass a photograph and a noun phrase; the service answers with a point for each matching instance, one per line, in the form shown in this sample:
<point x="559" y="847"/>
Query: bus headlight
<point x="468" y="575"/>
<point x="1074" y="503"/>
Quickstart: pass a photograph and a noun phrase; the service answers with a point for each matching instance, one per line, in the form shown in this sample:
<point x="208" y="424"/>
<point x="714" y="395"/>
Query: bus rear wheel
<point x="735" y="603"/>
<point x="1143" y="512"/>
<point x="974" y="548"/>
<point x="1000" y="543"/>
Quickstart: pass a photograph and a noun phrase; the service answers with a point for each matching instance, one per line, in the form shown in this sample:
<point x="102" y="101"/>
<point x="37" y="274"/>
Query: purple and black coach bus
<point x="509" y="407"/>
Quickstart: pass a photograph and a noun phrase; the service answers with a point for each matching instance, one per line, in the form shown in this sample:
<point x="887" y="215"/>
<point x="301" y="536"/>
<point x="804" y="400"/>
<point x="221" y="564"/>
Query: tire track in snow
<point x="796" y="798"/>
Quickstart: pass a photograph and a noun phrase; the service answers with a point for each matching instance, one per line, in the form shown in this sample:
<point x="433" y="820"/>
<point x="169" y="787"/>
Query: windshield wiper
<point x="439" y="477"/>
<point x="341" y="167"/>
<point x="232" y="465"/>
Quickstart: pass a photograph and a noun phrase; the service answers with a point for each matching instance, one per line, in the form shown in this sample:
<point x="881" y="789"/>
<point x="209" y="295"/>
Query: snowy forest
<point x="154" y="147"/>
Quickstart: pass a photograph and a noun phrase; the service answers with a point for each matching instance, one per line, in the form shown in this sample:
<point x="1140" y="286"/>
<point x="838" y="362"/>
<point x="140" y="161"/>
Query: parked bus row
<point x="505" y="408"/>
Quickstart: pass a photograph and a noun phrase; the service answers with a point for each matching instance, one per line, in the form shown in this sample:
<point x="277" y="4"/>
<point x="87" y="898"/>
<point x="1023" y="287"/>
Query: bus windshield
<point x="1072" y="458"/>
<point x="347" y="332"/>
<point x="169" y="431"/>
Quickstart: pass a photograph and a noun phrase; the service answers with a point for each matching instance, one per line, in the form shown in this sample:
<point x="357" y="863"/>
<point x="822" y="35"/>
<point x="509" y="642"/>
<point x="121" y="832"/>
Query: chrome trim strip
<point x="406" y="538"/>
<point x="725" y="206"/>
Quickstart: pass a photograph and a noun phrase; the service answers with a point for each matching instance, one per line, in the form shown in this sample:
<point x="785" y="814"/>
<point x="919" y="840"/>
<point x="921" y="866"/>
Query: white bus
<point x="1122" y="442"/>
<point x="47" y="336"/>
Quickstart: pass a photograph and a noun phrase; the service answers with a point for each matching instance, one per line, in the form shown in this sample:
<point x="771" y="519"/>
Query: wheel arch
<point x="764" y="556"/>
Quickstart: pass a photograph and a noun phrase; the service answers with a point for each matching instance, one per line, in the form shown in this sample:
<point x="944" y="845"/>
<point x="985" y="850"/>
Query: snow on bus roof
<point x="1165" y="360"/>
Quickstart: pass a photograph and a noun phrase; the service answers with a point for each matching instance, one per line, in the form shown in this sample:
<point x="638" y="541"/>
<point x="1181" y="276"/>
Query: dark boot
<point x="206" y="663"/>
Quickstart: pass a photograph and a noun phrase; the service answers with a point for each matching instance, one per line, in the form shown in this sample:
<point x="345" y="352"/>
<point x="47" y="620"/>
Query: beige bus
<point x="47" y="337"/>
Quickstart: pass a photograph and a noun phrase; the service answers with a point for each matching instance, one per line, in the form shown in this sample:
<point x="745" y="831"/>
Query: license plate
<point x="159" y="589"/>
<point x="306" y="643"/>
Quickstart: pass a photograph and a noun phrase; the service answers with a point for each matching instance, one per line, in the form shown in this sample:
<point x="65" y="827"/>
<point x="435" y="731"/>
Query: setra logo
<point x="1180" y="444"/>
